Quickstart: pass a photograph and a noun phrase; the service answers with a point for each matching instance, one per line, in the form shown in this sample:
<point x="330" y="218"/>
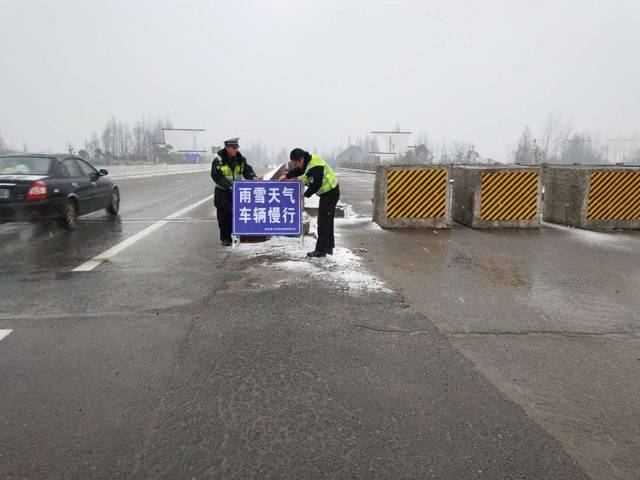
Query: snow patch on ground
<point x="349" y="214"/>
<point x="363" y="222"/>
<point x="343" y="269"/>
<point x="624" y="241"/>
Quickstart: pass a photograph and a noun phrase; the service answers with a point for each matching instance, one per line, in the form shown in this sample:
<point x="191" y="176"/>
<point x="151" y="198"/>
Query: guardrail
<point x="128" y="171"/>
<point x="359" y="166"/>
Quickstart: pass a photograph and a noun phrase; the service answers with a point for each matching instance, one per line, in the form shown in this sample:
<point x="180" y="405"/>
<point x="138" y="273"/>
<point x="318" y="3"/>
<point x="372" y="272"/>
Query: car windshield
<point x="24" y="165"/>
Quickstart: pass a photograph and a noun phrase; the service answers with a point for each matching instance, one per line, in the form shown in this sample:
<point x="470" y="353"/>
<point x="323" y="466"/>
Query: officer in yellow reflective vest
<point x="319" y="179"/>
<point x="228" y="166"/>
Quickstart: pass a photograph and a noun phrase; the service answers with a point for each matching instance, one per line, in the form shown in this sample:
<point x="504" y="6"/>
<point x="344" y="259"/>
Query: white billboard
<point x="391" y="144"/>
<point x="185" y="140"/>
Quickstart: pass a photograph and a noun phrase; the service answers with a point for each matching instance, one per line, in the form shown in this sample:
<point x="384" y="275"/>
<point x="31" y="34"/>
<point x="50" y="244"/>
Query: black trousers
<point x="326" y="214"/>
<point x="223" y="202"/>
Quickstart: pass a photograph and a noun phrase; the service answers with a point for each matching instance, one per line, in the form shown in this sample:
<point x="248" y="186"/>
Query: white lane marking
<point x="4" y="333"/>
<point x="110" y="253"/>
<point x="179" y="213"/>
<point x="106" y="255"/>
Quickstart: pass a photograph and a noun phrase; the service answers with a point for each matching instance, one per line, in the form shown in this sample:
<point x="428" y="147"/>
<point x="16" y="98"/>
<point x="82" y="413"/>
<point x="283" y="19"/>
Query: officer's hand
<point x="258" y="177"/>
<point x="282" y="177"/>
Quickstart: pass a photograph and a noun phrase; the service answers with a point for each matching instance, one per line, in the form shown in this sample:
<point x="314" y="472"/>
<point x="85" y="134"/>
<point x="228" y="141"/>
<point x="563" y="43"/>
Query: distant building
<point x="352" y="153"/>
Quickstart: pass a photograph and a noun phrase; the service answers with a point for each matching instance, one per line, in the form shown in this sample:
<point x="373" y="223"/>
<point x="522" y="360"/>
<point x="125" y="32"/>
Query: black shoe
<point x="226" y="243"/>
<point x="330" y="251"/>
<point x="316" y="254"/>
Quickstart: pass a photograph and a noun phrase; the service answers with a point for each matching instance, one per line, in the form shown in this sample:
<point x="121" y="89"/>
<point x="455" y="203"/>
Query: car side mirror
<point x="102" y="172"/>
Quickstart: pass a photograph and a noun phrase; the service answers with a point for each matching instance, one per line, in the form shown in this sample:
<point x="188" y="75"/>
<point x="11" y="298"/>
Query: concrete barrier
<point x="593" y="197"/>
<point x="410" y="196"/>
<point x="275" y="172"/>
<point x="127" y="171"/>
<point x="361" y="166"/>
<point x="496" y="196"/>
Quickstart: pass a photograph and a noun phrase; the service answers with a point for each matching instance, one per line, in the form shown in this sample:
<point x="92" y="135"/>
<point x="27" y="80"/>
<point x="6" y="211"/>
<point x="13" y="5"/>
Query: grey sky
<point x="310" y="73"/>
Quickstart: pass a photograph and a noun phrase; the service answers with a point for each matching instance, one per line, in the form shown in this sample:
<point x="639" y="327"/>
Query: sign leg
<point x="302" y="221"/>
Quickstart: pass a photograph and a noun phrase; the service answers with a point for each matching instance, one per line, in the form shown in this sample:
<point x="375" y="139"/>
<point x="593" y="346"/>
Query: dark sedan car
<point x="40" y="186"/>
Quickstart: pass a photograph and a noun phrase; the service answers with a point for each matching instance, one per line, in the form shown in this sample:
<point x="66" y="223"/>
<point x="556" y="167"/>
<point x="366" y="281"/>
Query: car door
<point x="105" y="187"/>
<point x="80" y="185"/>
<point x="101" y="191"/>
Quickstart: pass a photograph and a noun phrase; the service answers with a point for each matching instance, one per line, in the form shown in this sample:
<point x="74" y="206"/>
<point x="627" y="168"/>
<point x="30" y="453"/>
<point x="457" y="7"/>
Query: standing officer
<point x="228" y="166"/>
<point x="319" y="179"/>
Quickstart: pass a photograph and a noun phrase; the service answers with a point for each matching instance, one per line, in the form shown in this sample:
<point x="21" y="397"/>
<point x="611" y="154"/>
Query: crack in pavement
<point x="544" y="332"/>
<point x="389" y="330"/>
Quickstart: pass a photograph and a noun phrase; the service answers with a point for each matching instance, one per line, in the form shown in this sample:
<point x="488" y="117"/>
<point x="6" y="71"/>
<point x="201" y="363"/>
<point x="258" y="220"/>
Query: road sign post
<point x="267" y="208"/>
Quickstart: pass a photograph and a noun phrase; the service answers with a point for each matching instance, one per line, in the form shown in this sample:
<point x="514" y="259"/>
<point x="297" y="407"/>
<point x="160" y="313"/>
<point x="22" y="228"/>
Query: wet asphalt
<point x="181" y="359"/>
<point x="551" y="316"/>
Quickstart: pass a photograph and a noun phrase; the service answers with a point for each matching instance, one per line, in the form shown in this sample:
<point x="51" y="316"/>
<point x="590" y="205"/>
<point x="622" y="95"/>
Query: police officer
<point x="228" y="166"/>
<point x="319" y="179"/>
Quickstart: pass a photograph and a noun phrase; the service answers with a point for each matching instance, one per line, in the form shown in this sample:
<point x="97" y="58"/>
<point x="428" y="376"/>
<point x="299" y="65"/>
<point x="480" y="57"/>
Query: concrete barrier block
<point x="412" y="196"/>
<point x="276" y="172"/>
<point x="123" y="171"/>
<point x="487" y="196"/>
<point x="593" y="197"/>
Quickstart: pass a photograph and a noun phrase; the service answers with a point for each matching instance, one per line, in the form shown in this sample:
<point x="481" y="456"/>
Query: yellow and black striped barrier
<point x="509" y="196"/>
<point x="412" y="197"/>
<point x="614" y="196"/>
<point x="593" y="197"/>
<point x="486" y="196"/>
<point x="416" y="193"/>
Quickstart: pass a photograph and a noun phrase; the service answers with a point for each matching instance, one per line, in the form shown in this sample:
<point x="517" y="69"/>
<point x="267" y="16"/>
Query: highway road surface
<point x="139" y="347"/>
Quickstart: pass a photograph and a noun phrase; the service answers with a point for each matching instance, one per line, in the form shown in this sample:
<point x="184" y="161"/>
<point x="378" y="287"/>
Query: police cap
<point x="232" y="142"/>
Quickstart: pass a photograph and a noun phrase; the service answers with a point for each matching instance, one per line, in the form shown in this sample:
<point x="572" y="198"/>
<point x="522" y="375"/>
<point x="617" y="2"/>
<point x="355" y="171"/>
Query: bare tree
<point x="121" y="143"/>
<point x="424" y="154"/>
<point x="368" y="144"/>
<point x="439" y="149"/>
<point x="582" y="148"/>
<point x="472" y="155"/>
<point x="3" y="145"/>
<point x="551" y="132"/>
<point x="565" y="134"/>
<point x="257" y="154"/>
<point x="93" y="146"/>
<point x="138" y="140"/>
<point x="460" y="152"/>
<point x="423" y="138"/>
<point x="524" y="154"/>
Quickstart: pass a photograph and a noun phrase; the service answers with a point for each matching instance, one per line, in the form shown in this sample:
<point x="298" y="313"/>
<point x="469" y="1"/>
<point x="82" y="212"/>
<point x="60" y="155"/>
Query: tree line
<point x="558" y="142"/>
<point x="4" y="148"/>
<point x="120" y="143"/>
<point x="425" y="151"/>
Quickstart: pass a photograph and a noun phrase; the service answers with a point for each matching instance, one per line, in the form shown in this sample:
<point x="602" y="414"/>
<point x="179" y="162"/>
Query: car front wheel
<point x="114" y="202"/>
<point x="69" y="219"/>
